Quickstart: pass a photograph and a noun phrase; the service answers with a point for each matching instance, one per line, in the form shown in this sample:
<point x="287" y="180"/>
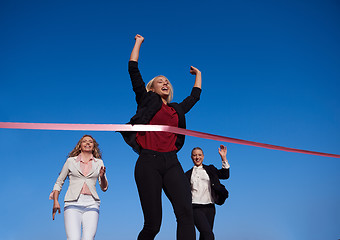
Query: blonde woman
<point x="157" y="167"/>
<point x="81" y="210"/>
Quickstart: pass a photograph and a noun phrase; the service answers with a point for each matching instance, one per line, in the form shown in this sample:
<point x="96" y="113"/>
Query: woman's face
<point x="197" y="157"/>
<point x="161" y="86"/>
<point x="87" y="144"/>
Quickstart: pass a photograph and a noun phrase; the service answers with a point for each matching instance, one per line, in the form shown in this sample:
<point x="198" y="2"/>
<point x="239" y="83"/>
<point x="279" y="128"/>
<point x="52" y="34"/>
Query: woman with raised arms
<point x="157" y="167"/>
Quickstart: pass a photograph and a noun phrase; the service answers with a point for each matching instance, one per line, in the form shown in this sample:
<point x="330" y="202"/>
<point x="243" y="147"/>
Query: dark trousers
<point x="155" y="171"/>
<point x="204" y="216"/>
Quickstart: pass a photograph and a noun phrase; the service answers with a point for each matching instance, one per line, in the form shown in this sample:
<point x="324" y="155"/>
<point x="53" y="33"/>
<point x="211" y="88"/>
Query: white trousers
<point x="81" y="218"/>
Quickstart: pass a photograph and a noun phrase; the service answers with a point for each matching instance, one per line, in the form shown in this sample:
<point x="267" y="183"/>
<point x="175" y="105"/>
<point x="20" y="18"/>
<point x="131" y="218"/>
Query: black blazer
<point x="218" y="190"/>
<point x="149" y="103"/>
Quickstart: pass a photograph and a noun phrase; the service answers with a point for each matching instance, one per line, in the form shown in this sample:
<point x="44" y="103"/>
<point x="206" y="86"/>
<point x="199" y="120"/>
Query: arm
<point x="102" y="179"/>
<point x="222" y="150"/>
<point x="224" y="172"/>
<point x="135" y="51"/>
<point x="62" y="176"/>
<point x="194" y="97"/>
<point x="57" y="188"/>
<point x="56" y="205"/>
<point x="198" y="79"/>
<point x="138" y="84"/>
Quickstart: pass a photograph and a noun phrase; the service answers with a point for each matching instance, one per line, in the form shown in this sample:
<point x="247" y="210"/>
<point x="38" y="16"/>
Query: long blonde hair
<point x="77" y="149"/>
<point x="171" y="93"/>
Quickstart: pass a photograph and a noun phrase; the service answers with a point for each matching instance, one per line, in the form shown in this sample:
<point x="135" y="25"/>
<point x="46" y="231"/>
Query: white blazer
<point x="77" y="179"/>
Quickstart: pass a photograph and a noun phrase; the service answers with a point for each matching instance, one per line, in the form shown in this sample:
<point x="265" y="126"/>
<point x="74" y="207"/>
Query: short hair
<point x="197" y="148"/>
<point x="171" y="93"/>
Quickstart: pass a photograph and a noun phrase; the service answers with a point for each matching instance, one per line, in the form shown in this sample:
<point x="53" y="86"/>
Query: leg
<point x="210" y="214"/>
<point x="72" y="220"/>
<point x="149" y="185"/>
<point x="177" y="188"/>
<point x="90" y="222"/>
<point x="204" y="221"/>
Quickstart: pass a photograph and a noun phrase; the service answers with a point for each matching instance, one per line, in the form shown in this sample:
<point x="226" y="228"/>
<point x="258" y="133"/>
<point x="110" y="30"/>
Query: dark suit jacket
<point x="218" y="190"/>
<point x="149" y="103"/>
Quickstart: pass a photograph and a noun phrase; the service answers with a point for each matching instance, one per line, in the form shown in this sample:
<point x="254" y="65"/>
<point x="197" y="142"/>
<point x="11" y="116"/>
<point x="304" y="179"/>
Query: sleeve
<point x="191" y="100"/>
<point x="222" y="173"/>
<point x="99" y="180"/>
<point x="62" y="176"/>
<point x="138" y="85"/>
<point x="225" y="164"/>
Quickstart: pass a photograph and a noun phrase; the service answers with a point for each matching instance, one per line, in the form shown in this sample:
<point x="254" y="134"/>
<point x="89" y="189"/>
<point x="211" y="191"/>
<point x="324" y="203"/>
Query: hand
<point x="102" y="171"/>
<point x="139" y="38"/>
<point x="222" y="150"/>
<point x="194" y="71"/>
<point x="56" y="207"/>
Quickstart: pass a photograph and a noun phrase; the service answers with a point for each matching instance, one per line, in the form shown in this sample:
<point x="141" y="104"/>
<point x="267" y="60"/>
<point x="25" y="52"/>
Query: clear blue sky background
<point x="271" y="72"/>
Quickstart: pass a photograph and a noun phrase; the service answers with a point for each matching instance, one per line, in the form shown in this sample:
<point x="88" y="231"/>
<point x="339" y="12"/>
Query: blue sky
<point x="270" y="74"/>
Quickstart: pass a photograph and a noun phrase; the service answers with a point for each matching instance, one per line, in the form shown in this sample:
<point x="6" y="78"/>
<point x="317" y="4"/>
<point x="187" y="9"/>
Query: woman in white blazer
<point x="81" y="210"/>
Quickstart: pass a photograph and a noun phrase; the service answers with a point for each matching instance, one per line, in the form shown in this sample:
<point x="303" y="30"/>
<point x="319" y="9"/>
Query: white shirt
<point x="200" y="185"/>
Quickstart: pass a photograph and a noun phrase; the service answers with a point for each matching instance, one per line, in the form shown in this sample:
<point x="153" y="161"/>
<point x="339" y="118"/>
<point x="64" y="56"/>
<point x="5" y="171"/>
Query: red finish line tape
<point x="128" y="127"/>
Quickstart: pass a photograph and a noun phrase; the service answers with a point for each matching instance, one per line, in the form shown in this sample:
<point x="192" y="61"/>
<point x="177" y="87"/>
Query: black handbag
<point x="220" y="193"/>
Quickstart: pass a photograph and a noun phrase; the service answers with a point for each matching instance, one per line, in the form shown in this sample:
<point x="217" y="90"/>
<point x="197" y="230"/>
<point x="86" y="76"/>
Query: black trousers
<point x="155" y="171"/>
<point x="204" y="215"/>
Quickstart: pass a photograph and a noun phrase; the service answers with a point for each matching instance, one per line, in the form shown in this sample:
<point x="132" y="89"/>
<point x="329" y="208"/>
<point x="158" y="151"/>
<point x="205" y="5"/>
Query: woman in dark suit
<point x="157" y="167"/>
<point x="207" y="190"/>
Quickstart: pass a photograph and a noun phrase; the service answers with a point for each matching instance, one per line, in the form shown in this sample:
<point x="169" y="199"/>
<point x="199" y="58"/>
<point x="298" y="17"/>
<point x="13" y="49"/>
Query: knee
<point x="206" y="235"/>
<point x="88" y="237"/>
<point x="149" y="232"/>
<point x="186" y="215"/>
<point x="73" y="238"/>
<point x="153" y="229"/>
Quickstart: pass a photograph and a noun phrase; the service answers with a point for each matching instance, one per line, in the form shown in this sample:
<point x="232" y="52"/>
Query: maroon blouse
<point x="160" y="141"/>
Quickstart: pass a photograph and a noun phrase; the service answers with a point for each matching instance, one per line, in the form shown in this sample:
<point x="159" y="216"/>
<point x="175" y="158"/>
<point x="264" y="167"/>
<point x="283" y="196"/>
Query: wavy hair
<point x="77" y="149"/>
<point x="171" y="93"/>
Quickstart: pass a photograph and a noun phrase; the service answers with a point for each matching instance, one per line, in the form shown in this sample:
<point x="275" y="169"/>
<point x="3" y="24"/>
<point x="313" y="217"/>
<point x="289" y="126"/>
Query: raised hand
<point x="135" y="51"/>
<point x="197" y="73"/>
<point x="222" y="150"/>
<point x="194" y="71"/>
<point x="139" y="38"/>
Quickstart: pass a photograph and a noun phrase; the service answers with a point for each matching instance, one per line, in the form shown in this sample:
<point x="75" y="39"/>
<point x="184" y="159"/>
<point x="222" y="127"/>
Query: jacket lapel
<point x="189" y="173"/>
<point x="206" y="168"/>
<point x="76" y="165"/>
<point x="95" y="165"/>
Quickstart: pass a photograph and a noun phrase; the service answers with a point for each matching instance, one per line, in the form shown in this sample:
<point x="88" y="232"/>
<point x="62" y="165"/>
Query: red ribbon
<point x="127" y="127"/>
